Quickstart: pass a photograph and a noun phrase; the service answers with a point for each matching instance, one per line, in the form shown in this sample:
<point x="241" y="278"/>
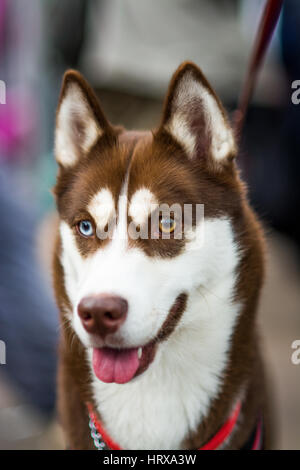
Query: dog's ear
<point x="80" y="121"/>
<point x="194" y="116"/>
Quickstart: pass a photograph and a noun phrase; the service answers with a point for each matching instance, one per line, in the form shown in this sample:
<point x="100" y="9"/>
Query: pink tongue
<point x="113" y="365"/>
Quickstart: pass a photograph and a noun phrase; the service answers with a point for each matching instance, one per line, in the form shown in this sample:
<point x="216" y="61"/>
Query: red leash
<point x="264" y="34"/>
<point x="224" y="432"/>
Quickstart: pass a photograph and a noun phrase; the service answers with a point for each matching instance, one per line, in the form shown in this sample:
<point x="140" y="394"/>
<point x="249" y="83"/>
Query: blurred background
<point x="128" y="49"/>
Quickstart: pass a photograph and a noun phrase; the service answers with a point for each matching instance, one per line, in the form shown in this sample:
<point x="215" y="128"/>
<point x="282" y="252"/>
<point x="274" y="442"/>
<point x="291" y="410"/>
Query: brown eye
<point x="167" y="224"/>
<point x="85" y="228"/>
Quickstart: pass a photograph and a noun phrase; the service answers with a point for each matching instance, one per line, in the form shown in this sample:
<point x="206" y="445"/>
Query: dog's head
<point x="135" y="247"/>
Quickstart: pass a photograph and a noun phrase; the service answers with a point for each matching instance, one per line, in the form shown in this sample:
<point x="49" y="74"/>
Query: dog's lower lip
<point x="147" y="356"/>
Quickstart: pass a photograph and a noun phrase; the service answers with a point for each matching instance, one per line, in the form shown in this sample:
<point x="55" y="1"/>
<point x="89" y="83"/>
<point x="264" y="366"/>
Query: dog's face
<point x="134" y="243"/>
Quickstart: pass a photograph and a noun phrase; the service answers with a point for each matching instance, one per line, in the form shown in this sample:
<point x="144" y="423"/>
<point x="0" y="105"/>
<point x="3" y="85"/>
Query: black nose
<point x="102" y="314"/>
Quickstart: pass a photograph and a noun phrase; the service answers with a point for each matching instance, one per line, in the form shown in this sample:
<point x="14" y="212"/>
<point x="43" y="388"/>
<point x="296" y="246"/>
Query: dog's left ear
<point x="80" y="121"/>
<point x="194" y="116"/>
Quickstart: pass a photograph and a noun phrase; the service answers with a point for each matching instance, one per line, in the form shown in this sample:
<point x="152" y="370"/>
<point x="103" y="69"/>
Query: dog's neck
<point x="162" y="406"/>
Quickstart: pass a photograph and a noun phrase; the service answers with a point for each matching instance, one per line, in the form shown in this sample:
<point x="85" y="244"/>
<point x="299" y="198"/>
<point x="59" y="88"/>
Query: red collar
<point x="102" y="440"/>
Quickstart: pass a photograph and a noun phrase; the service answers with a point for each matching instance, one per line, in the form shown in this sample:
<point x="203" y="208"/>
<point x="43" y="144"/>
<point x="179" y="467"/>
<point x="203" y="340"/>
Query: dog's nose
<point x="102" y="314"/>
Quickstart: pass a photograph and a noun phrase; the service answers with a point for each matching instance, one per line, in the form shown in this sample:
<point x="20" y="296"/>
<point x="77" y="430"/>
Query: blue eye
<point x="167" y="224"/>
<point x="85" y="228"/>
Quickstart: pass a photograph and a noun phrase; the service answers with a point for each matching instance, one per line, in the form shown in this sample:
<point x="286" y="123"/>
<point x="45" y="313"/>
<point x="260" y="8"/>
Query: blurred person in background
<point x="28" y="323"/>
<point x="28" y="318"/>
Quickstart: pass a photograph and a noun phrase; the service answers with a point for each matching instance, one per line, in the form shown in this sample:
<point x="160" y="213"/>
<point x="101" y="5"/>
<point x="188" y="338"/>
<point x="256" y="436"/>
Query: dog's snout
<point x="102" y="314"/>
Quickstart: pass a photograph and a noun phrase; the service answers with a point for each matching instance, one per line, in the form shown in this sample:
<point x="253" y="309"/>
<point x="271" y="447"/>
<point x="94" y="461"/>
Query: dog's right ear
<point x="80" y="121"/>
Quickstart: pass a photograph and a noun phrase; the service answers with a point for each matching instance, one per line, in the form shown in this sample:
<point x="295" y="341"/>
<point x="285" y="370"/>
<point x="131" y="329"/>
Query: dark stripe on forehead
<point x="134" y="140"/>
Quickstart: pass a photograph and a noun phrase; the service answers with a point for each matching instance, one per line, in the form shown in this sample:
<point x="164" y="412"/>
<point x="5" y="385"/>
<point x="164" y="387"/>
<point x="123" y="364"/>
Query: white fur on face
<point x="102" y="207"/>
<point x="69" y="141"/>
<point x="143" y="202"/>
<point x="188" y="366"/>
<point x="71" y="260"/>
<point x="189" y="93"/>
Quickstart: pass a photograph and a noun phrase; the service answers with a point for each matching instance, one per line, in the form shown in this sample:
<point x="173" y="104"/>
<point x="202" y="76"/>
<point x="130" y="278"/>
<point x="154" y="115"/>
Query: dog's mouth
<point x="121" y="365"/>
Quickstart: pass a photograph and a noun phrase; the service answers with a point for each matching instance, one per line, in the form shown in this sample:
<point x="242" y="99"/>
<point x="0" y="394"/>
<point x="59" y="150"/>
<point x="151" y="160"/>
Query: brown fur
<point x="159" y="163"/>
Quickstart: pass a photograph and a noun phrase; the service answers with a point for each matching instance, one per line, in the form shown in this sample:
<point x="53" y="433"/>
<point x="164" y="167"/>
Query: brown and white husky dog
<point x="159" y="331"/>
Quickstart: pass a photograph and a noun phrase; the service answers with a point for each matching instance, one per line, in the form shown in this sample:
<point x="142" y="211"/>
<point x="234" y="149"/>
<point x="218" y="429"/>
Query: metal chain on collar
<point x="96" y="436"/>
